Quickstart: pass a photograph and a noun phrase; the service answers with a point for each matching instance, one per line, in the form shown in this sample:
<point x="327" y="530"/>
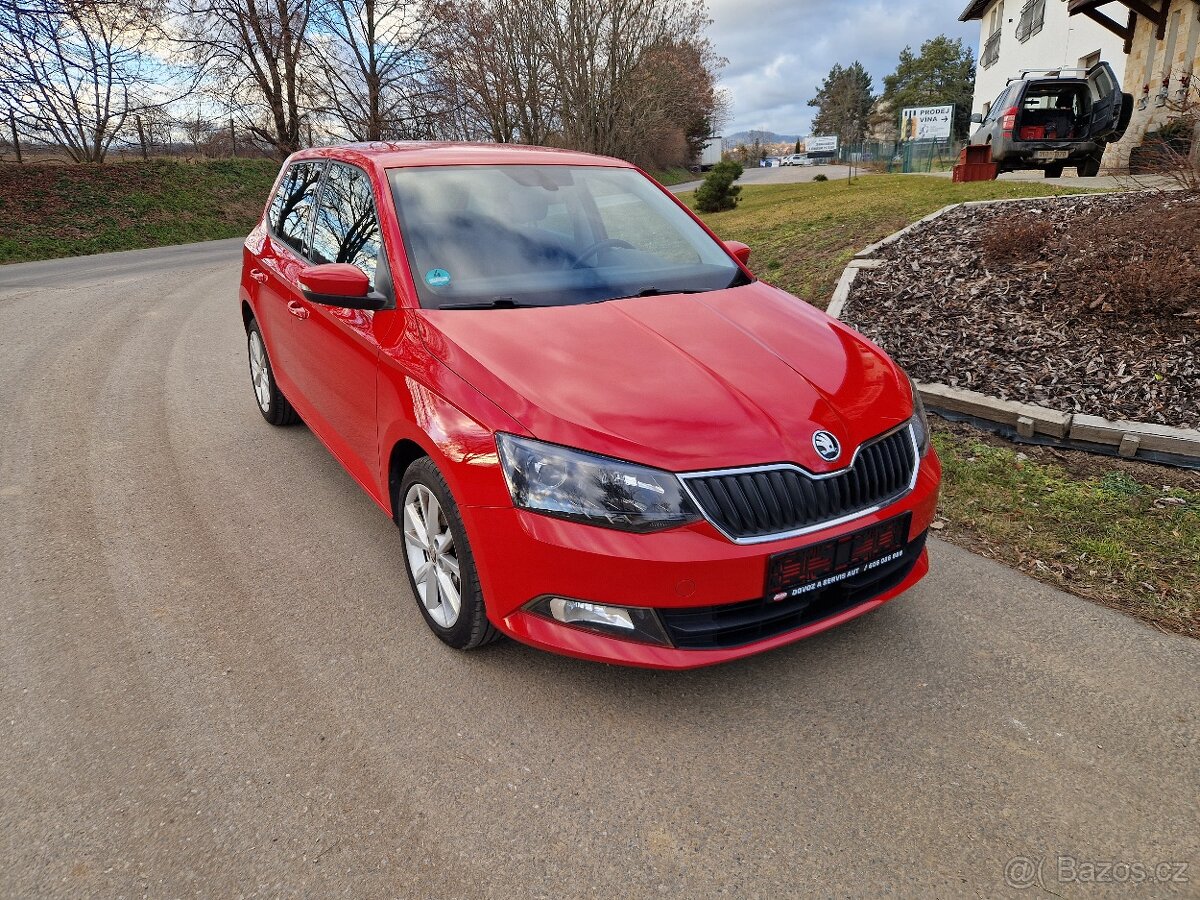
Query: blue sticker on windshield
<point x="437" y="278"/>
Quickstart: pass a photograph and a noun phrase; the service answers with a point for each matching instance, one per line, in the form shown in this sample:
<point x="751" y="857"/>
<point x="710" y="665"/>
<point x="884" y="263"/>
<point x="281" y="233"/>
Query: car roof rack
<point x="1056" y="72"/>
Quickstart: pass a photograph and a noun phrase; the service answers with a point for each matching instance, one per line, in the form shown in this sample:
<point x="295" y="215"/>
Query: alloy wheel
<point x="432" y="556"/>
<point x="259" y="373"/>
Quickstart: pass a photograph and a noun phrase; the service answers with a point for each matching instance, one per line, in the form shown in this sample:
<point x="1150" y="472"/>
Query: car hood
<point x="726" y="378"/>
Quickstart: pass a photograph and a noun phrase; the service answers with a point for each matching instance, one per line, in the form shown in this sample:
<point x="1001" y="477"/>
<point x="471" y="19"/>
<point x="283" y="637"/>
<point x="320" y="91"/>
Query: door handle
<point x="258" y="275"/>
<point x="297" y="309"/>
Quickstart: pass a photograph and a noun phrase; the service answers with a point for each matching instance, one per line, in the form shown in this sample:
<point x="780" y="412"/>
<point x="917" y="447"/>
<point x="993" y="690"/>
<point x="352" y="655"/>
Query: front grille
<point x="764" y="502"/>
<point x="714" y="627"/>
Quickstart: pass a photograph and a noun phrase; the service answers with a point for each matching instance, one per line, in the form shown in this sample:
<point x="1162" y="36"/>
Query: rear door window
<point x="292" y="207"/>
<point x="347" y="228"/>
<point x="1102" y="81"/>
<point x="997" y="106"/>
<point x="1107" y="101"/>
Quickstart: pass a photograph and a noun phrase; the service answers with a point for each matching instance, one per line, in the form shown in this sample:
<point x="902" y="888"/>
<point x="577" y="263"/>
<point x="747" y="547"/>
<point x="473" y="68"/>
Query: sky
<point x="780" y="50"/>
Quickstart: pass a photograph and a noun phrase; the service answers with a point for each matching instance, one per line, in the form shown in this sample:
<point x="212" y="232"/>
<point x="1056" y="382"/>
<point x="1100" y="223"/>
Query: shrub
<point x="1015" y="238"/>
<point x="718" y="192"/>
<point x="1134" y="262"/>
<point x="821" y="177"/>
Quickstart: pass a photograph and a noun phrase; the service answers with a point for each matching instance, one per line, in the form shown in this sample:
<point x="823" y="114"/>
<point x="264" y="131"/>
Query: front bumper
<point x="521" y="555"/>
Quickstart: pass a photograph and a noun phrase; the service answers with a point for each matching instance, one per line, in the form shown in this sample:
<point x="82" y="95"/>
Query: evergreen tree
<point x="942" y="73"/>
<point x="718" y="192"/>
<point x="844" y="103"/>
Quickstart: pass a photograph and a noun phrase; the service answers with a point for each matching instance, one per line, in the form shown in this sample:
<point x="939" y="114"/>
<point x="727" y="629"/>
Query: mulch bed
<point x="1083" y="304"/>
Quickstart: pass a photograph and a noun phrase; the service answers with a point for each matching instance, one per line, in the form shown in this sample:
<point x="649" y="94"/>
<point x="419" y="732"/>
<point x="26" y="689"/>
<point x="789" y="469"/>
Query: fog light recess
<point x="631" y="622"/>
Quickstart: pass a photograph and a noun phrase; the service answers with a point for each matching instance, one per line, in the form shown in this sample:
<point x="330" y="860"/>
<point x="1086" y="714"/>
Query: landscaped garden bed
<point x="1082" y="304"/>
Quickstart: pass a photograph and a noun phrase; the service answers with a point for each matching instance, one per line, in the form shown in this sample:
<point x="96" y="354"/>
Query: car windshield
<point x="518" y="235"/>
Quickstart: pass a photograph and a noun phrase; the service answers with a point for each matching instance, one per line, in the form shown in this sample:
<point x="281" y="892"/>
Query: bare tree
<point x="198" y="128"/>
<point x="372" y="81"/>
<point x="258" y="52"/>
<point x="76" y="71"/>
<point x="673" y="105"/>
<point x="630" y="78"/>
<point x="622" y="67"/>
<point x="154" y="130"/>
<point x="493" y="68"/>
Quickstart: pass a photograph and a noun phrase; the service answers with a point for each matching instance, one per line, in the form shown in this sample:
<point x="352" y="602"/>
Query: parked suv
<point x="1053" y="119"/>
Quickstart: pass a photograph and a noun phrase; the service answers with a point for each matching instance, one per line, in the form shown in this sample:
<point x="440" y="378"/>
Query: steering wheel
<point x="597" y="247"/>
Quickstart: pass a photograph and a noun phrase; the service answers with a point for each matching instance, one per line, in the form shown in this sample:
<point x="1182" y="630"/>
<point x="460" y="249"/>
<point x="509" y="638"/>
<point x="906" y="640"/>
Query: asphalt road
<point x="775" y="175"/>
<point x="214" y="680"/>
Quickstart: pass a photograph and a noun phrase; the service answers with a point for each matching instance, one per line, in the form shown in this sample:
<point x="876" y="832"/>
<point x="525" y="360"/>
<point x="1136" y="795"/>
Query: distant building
<point x="1162" y="69"/>
<point x="882" y="123"/>
<point x="1035" y="34"/>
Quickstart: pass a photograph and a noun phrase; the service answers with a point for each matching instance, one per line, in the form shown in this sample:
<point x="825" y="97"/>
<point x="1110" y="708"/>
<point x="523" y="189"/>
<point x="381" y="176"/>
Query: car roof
<point x="402" y="154"/>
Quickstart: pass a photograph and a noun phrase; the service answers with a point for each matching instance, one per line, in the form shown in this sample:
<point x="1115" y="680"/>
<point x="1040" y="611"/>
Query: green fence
<point x="902" y="156"/>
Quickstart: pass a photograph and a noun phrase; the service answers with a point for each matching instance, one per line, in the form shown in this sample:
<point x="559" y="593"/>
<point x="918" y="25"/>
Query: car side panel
<point x="421" y="400"/>
<point x="281" y="268"/>
<point x="345" y="342"/>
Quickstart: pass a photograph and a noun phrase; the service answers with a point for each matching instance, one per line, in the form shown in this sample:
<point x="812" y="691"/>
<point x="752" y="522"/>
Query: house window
<point x="991" y="51"/>
<point x="991" y="47"/>
<point x="1033" y="15"/>
<point x="996" y="17"/>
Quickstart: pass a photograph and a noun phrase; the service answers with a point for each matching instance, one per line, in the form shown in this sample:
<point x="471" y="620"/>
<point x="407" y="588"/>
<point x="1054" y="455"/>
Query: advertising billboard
<point x="821" y="145"/>
<point x="926" y="123"/>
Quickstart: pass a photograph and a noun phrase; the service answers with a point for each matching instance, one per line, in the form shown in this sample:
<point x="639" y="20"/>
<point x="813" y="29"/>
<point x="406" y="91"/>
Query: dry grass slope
<point x="71" y="210"/>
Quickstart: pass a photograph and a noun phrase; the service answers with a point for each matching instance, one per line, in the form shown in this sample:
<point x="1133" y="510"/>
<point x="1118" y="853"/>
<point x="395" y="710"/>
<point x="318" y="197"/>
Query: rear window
<point x="292" y="206"/>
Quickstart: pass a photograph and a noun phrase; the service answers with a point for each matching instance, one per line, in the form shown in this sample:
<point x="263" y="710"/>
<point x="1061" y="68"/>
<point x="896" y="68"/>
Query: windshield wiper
<point x="494" y="303"/>
<point x="649" y="292"/>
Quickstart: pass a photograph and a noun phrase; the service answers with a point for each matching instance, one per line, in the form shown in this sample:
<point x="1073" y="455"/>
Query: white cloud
<point x="779" y="51"/>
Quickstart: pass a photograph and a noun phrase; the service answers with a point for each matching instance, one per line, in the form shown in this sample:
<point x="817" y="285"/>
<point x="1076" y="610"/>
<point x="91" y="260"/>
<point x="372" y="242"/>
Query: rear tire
<point x="274" y="407"/>
<point x="1054" y="171"/>
<point x="438" y="559"/>
<point x="1089" y="168"/>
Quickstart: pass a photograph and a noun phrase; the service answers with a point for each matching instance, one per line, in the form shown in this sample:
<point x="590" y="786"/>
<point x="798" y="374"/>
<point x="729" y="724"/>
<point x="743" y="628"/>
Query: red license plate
<point x="807" y="569"/>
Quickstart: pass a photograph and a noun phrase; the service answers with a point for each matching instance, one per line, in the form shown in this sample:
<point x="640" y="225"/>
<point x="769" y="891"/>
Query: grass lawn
<point x="73" y="210"/>
<point x="676" y="175"/>
<point x="1123" y="534"/>
<point x="802" y="235"/>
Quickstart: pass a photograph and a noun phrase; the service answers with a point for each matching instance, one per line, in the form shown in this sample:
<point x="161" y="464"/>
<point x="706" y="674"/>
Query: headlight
<point x="571" y="484"/>
<point x="920" y="422"/>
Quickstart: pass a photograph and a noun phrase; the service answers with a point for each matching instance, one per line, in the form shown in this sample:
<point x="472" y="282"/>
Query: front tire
<point x="438" y="559"/>
<point x="1054" y="171"/>
<point x="1089" y="168"/>
<point x="274" y="407"/>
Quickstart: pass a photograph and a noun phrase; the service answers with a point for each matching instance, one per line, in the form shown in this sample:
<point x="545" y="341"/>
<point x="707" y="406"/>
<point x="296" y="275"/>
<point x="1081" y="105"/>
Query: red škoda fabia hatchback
<point x="597" y="432"/>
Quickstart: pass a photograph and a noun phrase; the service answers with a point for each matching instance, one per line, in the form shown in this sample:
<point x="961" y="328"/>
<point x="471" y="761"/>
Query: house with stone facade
<point x="1160" y="40"/>
<point x="1035" y="34"/>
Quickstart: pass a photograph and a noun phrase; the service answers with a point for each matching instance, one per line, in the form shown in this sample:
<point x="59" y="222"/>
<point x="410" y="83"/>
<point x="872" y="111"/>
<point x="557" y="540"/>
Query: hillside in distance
<point x="765" y="137"/>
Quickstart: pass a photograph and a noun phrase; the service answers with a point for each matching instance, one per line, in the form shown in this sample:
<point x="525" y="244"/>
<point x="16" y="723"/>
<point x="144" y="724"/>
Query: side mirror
<point x="341" y="285"/>
<point x="740" y="251"/>
<point x="976" y="118"/>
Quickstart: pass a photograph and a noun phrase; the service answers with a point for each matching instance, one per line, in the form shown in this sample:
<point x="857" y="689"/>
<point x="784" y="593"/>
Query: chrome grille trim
<point x="857" y="513"/>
